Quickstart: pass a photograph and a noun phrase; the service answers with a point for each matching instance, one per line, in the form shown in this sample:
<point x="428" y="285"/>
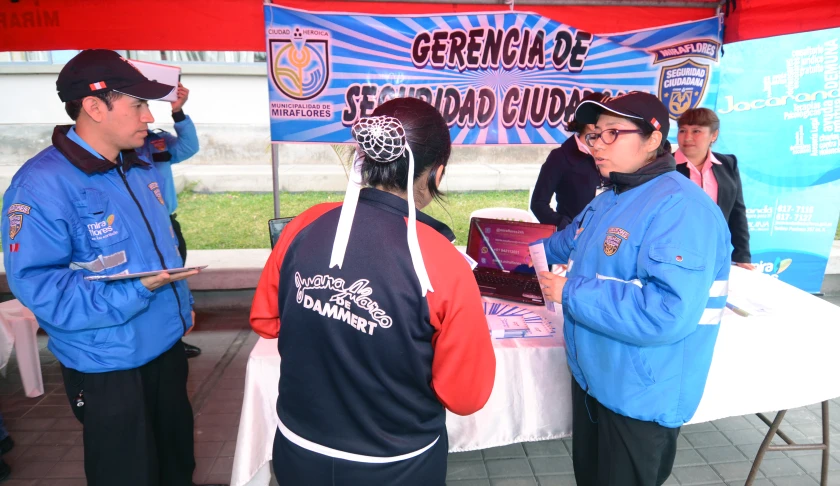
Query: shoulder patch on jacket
<point x="159" y="144"/>
<point x="19" y="208"/>
<point x="15" y="224"/>
<point x="156" y="189"/>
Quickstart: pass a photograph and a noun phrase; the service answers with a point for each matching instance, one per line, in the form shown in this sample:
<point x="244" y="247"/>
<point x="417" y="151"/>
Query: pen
<point x="487" y="242"/>
<point x="738" y="310"/>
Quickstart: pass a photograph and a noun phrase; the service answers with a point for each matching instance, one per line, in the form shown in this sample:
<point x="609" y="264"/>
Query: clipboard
<point x="123" y="276"/>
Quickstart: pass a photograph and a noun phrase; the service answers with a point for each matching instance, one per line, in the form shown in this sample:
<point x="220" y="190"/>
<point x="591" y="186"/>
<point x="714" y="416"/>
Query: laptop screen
<point x="275" y="227"/>
<point x="503" y="245"/>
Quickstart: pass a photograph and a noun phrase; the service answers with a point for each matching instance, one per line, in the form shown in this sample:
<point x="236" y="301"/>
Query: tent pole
<point x="275" y="177"/>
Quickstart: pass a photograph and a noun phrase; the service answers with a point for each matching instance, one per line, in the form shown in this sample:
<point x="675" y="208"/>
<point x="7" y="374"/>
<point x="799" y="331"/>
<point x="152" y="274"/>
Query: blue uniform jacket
<point x="647" y="286"/>
<point x="165" y="149"/>
<point x="70" y="214"/>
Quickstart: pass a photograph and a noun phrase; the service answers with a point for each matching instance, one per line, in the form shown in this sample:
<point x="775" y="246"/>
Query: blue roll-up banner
<point x="779" y="105"/>
<point x="498" y="78"/>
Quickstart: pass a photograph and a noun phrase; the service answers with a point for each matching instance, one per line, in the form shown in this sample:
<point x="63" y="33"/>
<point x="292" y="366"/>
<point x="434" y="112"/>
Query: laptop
<point x="501" y="250"/>
<point x="275" y="227"/>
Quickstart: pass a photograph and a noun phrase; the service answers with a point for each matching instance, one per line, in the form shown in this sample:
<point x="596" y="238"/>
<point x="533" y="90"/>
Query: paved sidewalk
<point x="49" y="451"/>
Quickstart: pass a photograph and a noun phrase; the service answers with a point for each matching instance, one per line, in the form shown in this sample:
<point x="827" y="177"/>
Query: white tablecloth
<point x="761" y="363"/>
<point x="783" y="360"/>
<point x="531" y="400"/>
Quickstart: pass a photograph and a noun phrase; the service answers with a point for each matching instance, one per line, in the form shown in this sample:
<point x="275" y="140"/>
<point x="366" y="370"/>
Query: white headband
<point x="382" y="138"/>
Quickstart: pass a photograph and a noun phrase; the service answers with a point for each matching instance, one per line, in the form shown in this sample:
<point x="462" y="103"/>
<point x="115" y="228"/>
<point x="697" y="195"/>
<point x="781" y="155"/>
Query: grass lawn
<point x="240" y="220"/>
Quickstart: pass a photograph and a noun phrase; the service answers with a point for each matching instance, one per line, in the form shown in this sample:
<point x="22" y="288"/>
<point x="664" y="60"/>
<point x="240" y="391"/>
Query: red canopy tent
<point x="236" y="25"/>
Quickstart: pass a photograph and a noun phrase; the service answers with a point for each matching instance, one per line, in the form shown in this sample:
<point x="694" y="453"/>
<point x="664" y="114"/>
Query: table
<point x="531" y="398"/>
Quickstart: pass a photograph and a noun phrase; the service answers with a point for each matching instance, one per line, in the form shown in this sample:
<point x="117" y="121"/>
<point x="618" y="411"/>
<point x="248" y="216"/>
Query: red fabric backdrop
<point x="32" y="25"/>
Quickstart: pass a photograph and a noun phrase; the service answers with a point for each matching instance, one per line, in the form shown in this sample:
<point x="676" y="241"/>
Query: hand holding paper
<point x="548" y="281"/>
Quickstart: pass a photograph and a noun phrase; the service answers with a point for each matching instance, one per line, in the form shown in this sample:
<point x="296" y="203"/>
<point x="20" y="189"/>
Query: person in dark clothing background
<point x="164" y="149"/>
<point x="6" y="445"/>
<point x="569" y="173"/>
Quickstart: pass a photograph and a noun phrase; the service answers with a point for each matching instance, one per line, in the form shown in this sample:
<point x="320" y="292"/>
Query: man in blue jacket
<point x="85" y="206"/>
<point x="165" y="149"/>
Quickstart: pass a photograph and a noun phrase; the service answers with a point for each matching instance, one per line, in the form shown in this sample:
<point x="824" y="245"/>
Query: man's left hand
<point x="748" y="266"/>
<point x="183" y="95"/>
<point x="552" y="286"/>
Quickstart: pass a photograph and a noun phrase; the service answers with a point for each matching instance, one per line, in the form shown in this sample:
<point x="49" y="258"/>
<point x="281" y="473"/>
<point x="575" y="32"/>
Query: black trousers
<point x="613" y="450"/>
<point x="137" y="423"/>
<point x="294" y="465"/>
<point x="182" y="245"/>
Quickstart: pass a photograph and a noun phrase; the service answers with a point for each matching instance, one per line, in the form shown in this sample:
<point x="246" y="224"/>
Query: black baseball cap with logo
<point x="634" y="105"/>
<point x="95" y="71"/>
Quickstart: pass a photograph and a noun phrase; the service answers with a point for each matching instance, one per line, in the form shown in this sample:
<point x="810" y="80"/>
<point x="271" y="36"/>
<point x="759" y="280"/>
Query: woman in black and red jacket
<point x="569" y="174"/>
<point x="382" y="321"/>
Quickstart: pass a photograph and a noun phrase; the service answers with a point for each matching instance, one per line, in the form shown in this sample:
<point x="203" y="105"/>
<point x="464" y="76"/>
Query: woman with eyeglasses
<point x="717" y="174"/>
<point x="643" y="298"/>
<point x="569" y="174"/>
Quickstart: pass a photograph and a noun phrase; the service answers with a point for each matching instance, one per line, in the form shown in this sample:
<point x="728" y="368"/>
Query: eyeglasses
<point x="607" y="136"/>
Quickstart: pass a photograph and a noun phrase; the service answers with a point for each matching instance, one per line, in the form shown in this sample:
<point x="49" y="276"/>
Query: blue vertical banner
<point x="779" y="105"/>
<point x="497" y="78"/>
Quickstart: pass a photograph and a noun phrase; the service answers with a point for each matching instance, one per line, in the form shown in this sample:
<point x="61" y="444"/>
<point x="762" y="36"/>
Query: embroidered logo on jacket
<point x="159" y="144"/>
<point x="614" y="239"/>
<point x="102" y="229"/>
<point x="156" y="189"/>
<point x="16" y="212"/>
<point x="618" y="231"/>
<point x="19" y="208"/>
<point x="341" y="303"/>
<point x="15" y="224"/>
<point x="611" y="244"/>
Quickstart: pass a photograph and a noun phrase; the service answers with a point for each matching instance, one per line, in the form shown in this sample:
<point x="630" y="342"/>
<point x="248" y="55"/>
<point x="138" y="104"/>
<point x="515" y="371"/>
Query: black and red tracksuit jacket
<point x="367" y="363"/>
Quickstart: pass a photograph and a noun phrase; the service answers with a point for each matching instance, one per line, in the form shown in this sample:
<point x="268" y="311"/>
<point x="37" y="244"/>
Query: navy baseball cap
<point x="634" y="105"/>
<point x="95" y="71"/>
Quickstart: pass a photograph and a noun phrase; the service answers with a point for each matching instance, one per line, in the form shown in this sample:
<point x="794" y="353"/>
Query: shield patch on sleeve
<point x="15" y="224"/>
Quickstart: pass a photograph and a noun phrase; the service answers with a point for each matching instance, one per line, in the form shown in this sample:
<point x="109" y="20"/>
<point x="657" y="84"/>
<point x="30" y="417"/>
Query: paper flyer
<point x="506" y="326"/>
<point x="540" y="262"/>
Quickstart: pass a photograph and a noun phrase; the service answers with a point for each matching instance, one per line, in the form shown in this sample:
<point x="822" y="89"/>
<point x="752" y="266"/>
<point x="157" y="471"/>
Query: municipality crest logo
<point x="681" y="86"/>
<point x="300" y="65"/>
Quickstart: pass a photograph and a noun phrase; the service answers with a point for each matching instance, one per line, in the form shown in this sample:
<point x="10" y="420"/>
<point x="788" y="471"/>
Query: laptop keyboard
<point x="496" y="280"/>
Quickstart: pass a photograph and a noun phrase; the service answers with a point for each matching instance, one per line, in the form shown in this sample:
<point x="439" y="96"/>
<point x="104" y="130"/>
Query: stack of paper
<point x="506" y="326"/>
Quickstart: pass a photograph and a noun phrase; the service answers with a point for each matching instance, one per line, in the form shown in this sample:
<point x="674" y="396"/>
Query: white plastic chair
<point x="19" y="328"/>
<point x="507" y="214"/>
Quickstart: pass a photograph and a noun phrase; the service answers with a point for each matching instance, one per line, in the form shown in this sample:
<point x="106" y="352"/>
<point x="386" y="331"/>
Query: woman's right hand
<point x="552" y="286"/>
<point x="559" y="269"/>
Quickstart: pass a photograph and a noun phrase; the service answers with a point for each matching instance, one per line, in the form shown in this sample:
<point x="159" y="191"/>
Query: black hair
<point x="428" y="137"/>
<point x="574" y="126"/>
<point x="647" y="130"/>
<point x="74" y="108"/>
